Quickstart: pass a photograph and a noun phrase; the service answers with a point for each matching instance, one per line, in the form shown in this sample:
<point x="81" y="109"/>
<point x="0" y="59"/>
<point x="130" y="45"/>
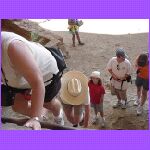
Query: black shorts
<point x="51" y="91"/>
<point x="140" y="82"/>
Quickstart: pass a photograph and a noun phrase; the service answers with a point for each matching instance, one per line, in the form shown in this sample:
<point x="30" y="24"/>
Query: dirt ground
<point x="94" y="55"/>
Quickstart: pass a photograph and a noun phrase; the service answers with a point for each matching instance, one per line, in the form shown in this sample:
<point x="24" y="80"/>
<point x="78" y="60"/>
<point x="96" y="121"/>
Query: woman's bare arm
<point x="25" y="64"/>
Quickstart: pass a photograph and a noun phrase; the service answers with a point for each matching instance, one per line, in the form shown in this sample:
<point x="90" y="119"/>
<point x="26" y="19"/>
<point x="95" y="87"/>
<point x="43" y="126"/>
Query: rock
<point x="33" y="32"/>
<point x="12" y="126"/>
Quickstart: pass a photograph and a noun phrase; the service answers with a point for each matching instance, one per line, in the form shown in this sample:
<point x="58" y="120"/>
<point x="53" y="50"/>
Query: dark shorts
<point x="140" y="82"/>
<point x="51" y="91"/>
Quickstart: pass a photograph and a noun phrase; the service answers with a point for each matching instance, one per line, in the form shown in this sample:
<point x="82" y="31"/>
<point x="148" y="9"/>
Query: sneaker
<point x="103" y="122"/>
<point x="75" y="125"/>
<point x="123" y="105"/>
<point x="137" y="102"/>
<point x="139" y="110"/>
<point x="117" y="104"/>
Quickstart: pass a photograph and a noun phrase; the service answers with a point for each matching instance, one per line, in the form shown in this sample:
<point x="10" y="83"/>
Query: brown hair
<point x="142" y="60"/>
<point x="99" y="81"/>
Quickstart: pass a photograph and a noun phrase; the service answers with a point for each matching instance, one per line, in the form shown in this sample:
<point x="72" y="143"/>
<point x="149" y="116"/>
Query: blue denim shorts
<point x="140" y="82"/>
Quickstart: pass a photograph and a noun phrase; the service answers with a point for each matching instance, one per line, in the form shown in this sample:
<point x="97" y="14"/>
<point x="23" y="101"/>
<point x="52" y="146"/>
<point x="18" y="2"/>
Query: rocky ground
<point x="94" y="55"/>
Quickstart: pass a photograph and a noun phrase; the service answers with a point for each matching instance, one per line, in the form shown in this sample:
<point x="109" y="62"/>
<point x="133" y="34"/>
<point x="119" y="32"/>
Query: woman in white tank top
<point x="28" y="65"/>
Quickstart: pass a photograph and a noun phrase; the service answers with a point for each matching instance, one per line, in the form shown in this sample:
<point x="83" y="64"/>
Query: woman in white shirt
<point x="28" y="65"/>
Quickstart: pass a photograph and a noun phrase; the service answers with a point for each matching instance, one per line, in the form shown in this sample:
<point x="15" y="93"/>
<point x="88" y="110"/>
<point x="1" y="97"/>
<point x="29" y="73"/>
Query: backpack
<point x="58" y="55"/>
<point x="8" y="92"/>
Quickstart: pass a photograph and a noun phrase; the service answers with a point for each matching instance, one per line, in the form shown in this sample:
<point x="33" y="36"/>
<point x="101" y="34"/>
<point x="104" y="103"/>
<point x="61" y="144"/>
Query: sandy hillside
<point x="94" y="55"/>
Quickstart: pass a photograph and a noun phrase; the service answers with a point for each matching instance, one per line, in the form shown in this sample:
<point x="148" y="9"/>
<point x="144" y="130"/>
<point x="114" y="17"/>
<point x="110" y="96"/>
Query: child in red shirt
<point x="97" y="92"/>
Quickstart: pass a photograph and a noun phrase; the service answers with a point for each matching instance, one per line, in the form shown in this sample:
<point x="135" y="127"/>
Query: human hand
<point x="114" y="77"/>
<point x="33" y="123"/>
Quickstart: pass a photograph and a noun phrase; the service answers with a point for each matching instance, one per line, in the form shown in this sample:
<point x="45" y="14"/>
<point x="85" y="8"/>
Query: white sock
<point x="123" y="102"/>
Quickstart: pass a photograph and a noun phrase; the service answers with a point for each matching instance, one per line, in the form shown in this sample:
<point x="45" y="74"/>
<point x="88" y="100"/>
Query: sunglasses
<point x="118" y="68"/>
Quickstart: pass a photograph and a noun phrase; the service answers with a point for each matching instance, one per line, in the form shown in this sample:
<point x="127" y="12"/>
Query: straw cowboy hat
<point x="74" y="88"/>
<point x="95" y="74"/>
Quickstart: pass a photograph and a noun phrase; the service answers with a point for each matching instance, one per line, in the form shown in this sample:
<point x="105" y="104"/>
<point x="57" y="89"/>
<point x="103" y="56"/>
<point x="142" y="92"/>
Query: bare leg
<point x="102" y="114"/>
<point x="139" y="90"/>
<point x="95" y="111"/>
<point x="54" y="106"/>
<point x="73" y="40"/>
<point x="123" y="95"/>
<point x="21" y="105"/>
<point x="144" y="97"/>
<point x="118" y="103"/>
<point x="78" y="114"/>
<point x="69" y="114"/>
<point x="78" y="38"/>
<point x="118" y="96"/>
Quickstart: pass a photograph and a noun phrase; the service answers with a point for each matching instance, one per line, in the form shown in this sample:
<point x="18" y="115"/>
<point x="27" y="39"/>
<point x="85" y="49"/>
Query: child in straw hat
<point x="74" y="94"/>
<point x="97" y="96"/>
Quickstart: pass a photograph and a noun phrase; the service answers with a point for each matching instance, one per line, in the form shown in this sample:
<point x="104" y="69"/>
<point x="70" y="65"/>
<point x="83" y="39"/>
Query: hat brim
<point x="64" y="94"/>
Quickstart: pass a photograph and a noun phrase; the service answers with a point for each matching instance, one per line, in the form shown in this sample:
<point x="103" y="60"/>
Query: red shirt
<point x="96" y="91"/>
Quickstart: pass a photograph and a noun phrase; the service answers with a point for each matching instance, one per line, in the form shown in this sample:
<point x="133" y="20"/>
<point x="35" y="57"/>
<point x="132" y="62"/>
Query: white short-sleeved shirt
<point x="119" y="69"/>
<point x="43" y="57"/>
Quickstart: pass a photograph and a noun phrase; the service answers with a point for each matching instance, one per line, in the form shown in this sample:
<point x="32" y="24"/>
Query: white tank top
<point x="43" y="57"/>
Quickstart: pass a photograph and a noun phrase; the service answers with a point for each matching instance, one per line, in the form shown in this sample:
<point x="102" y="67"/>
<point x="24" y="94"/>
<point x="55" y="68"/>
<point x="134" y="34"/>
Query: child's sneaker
<point x="123" y="105"/>
<point x="75" y="125"/>
<point x="139" y="110"/>
<point x="117" y="104"/>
